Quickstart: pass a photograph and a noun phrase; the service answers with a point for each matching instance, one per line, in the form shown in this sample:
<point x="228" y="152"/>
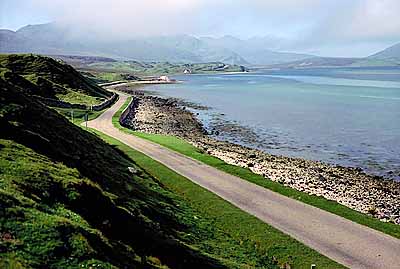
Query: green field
<point x="102" y="77"/>
<point x="187" y="149"/>
<point x="74" y="97"/>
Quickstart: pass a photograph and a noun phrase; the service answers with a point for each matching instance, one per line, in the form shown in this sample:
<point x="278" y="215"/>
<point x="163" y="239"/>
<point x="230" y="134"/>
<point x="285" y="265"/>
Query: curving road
<point x="344" y="241"/>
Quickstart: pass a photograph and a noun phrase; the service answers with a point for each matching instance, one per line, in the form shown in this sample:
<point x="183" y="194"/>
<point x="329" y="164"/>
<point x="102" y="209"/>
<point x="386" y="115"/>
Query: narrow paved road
<point x="346" y="242"/>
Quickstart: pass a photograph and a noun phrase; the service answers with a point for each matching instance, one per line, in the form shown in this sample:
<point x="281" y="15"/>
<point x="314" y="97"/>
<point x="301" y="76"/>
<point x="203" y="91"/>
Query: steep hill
<point x="391" y="53"/>
<point x="51" y="79"/>
<point x="68" y="200"/>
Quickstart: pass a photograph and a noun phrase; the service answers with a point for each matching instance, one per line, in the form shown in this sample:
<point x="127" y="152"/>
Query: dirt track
<point x="344" y="241"/>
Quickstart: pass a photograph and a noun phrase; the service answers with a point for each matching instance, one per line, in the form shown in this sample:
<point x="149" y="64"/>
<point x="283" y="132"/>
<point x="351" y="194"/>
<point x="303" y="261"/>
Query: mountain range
<point x="52" y="39"/>
<point x="387" y="57"/>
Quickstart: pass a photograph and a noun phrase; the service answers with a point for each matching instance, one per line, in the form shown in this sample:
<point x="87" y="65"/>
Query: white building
<point x="164" y="78"/>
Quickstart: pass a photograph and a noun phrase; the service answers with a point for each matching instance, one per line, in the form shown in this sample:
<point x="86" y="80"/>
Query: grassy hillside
<point x="51" y="78"/>
<point x="164" y="67"/>
<point x="68" y="200"/>
<point x="103" y="69"/>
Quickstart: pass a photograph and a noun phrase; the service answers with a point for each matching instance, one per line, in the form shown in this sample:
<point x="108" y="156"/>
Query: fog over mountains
<point x="53" y="39"/>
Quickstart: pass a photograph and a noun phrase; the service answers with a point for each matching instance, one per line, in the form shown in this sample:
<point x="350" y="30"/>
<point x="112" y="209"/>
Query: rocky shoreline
<point x="349" y="186"/>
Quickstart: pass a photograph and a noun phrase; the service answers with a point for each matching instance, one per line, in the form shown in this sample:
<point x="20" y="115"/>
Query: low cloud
<point x="122" y="18"/>
<point x="356" y="29"/>
<point x="198" y="17"/>
<point x="305" y="25"/>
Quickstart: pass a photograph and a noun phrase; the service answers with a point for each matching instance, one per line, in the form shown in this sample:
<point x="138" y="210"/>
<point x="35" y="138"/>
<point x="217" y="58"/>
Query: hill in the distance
<point x="107" y="69"/>
<point x="56" y="40"/>
<point x="391" y="53"/>
<point x="316" y="62"/>
<point x="387" y="57"/>
<point x="254" y="50"/>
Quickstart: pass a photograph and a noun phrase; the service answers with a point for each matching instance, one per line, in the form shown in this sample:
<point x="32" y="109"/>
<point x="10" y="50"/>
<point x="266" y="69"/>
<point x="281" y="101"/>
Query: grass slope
<point x="77" y="116"/>
<point x="68" y="199"/>
<point x="187" y="149"/>
<point x="52" y="79"/>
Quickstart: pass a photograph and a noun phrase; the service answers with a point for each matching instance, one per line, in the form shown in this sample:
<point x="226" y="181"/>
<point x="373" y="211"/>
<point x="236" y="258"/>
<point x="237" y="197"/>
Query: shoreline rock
<point x="350" y="187"/>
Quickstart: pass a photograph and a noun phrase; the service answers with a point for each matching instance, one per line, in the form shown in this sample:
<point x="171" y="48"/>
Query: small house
<point x="164" y="78"/>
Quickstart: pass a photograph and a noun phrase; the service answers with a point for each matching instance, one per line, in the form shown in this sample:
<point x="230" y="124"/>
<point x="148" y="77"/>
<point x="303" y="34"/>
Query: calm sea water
<point x="349" y="117"/>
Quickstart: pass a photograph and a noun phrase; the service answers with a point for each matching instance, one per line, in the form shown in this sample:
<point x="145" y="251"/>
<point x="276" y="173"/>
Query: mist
<point x="334" y="28"/>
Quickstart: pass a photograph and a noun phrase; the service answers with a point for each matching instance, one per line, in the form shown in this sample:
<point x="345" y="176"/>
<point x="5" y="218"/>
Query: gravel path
<point x="346" y="242"/>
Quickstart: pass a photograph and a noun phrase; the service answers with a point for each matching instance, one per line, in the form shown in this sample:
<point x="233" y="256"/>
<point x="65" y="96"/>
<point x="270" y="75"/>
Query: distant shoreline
<point x="215" y="73"/>
<point x="136" y="82"/>
<point x="155" y="82"/>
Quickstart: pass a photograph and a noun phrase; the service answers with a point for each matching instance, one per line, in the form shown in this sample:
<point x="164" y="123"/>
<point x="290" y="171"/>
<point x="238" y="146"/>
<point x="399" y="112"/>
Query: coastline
<point x="115" y="84"/>
<point x="220" y="73"/>
<point x="348" y="186"/>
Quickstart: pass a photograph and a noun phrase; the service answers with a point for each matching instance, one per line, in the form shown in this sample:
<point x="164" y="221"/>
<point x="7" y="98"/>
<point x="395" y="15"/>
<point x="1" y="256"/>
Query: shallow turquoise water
<point x="351" y="120"/>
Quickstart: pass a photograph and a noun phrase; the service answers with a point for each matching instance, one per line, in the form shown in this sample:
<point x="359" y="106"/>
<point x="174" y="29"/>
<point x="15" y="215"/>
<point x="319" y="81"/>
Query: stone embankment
<point x="348" y="186"/>
<point x="106" y="103"/>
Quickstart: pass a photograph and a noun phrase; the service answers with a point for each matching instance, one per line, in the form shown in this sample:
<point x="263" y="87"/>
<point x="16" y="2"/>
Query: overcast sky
<point x="323" y="27"/>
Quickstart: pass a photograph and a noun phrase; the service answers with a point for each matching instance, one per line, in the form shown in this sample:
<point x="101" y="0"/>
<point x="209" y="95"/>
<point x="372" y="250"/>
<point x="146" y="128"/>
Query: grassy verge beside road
<point x="245" y="237"/>
<point x="77" y="115"/>
<point x="189" y="150"/>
